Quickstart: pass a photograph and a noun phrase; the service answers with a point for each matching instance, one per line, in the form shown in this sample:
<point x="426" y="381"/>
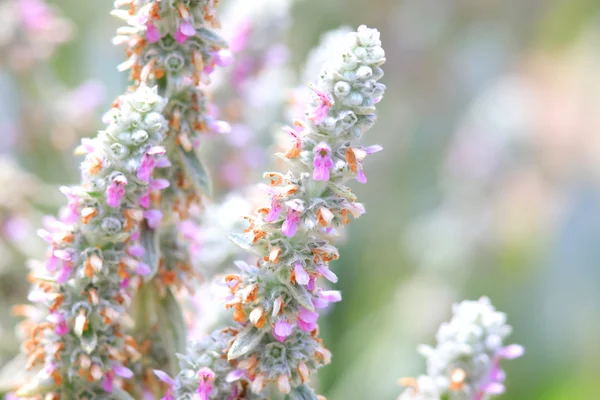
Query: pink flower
<point x="164" y="377"/>
<point x="122" y="371"/>
<point x="311" y="284"/>
<point x="136" y="250"/>
<point x="327" y="273"/>
<point x="159" y="184"/>
<point x="64" y="274"/>
<point x="234" y="375"/>
<point x="144" y="200"/>
<point x="361" y="177"/>
<point x="319" y="113"/>
<point x="143" y="269"/>
<point x="70" y="214"/>
<point x="493" y="384"/>
<point x="146" y="167"/>
<point x="372" y="149"/>
<point x="184" y="31"/>
<point x="153" y="218"/>
<point x="107" y="382"/>
<point x="302" y="276"/>
<point x="60" y="324"/>
<point x="511" y="352"/>
<point x="163" y="162"/>
<point x="281" y="330"/>
<point x="149" y="162"/>
<point x="307" y="320"/>
<point x="116" y="191"/>
<point x="52" y="263"/>
<point x="332" y="296"/>
<point x="290" y="225"/>
<point x="207" y="376"/>
<point x="322" y="162"/>
<point x="275" y="210"/>
<point x="152" y="33"/>
<point x="64" y="255"/>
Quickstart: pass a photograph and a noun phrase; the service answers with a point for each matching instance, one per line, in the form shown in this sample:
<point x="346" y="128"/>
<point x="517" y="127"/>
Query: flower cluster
<point x="172" y="45"/>
<point x="95" y="256"/>
<point x="329" y="43"/>
<point x="465" y="364"/>
<point x="31" y="30"/>
<point x="205" y="373"/>
<point x="277" y="300"/>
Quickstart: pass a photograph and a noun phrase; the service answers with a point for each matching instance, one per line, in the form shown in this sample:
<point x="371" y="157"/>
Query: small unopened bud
<point x="96" y="372"/>
<point x="258" y="384"/>
<point x="256" y="315"/>
<point x="80" y="323"/>
<point x="303" y="371"/>
<point x="140" y="136"/>
<point x="283" y="383"/>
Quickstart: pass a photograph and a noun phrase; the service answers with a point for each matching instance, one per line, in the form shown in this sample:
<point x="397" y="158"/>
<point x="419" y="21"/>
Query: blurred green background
<point x="516" y="83"/>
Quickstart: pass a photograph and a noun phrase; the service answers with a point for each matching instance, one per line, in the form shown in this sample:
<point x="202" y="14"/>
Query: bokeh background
<point x="489" y="183"/>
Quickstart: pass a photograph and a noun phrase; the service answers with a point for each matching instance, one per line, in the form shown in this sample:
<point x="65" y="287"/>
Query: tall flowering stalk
<point x="465" y="364"/>
<point x="171" y="44"/>
<point x="93" y="257"/>
<point x="276" y="301"/>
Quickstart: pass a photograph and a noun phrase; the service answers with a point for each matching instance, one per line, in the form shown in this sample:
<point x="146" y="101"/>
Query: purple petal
<point x="328" y="274"/>
<point x="234" y="375"/>
<point x="493" y="388"/>
<point x="302" y="276"/>
<point x="122" y="371"/>
<point x="158" y="184"/>
<point x="332" y="296"/>
<point x="512" y="351"/>
<point x="143" y="269"/>
<point x="307" y="315"/>
<point x="163" y="376"/>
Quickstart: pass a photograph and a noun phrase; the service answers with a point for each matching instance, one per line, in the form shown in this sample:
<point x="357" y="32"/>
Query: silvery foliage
<point x="465" y="363"/>
<point x="89" y="267"/>
<point x="293" y="234"/>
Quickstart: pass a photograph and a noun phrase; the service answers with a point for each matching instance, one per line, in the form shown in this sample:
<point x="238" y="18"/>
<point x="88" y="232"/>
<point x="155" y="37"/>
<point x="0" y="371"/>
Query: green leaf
<point x="244" y="242"/>
<point x="172" y="330"/>
<point x="211" y="37"/>
<point x="143" y="309"/>
<point x="343" y="192"/>
<point x="301" y="392"/>
<point x="301" y="295"/>
<point x="149" y="240"/>
<point x="246" y="341"/>
<point x="175" y="313"/>
<point x="89" y="341"/>
<point x="196" y="172"/>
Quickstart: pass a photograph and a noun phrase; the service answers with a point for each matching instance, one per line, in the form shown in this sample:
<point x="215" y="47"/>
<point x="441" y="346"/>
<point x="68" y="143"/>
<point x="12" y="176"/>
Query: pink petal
<point x="512" y="351"/>
<point x="332" y="296"/>
<point x="302" y="276"/>
<point x="327" y="273"/>
<point x="307" y="315"/>
<point x="234" y="375"/>
<point x="122" y="371"/>
<point x="163" y="376"/>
